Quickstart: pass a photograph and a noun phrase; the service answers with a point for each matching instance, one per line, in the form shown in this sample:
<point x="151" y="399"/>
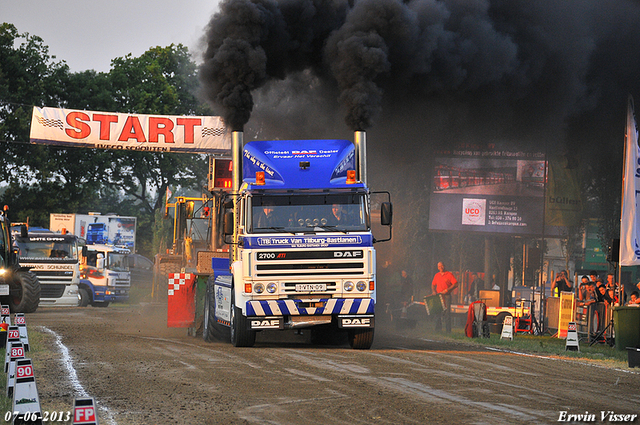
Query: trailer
<point x="97" y="229"/>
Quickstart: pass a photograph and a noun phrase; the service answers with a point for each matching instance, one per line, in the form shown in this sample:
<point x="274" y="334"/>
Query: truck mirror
<point x="229" y="223"/>
<point x="386" y="214"/>
<point x="100" y="261"/>
<point x="84" y="251"/>
<point x="24" y="232"/>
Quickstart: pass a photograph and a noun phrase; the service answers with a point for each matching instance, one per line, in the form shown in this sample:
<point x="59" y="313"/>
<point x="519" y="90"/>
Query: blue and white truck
<point x="298" y="223"/>
<point x="105" y="276"/>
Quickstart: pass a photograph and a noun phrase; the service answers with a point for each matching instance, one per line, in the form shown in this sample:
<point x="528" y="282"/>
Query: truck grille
<point x="51" y="291"/>
<point x="54" y="277"/>
<point x="123" y="282"/>
<point x="283" y="264"/>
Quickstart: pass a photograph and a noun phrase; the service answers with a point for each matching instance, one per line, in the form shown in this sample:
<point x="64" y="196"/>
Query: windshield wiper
<point x="274" y="228"/>
<point x="328" y="227"/>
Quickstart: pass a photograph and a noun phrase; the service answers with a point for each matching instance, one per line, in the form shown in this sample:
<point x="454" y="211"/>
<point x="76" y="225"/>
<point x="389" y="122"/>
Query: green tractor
<point x="19" y="288"/>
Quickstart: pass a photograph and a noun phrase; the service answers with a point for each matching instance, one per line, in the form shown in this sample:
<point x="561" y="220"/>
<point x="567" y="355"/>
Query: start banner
<point x="110" y="130"/>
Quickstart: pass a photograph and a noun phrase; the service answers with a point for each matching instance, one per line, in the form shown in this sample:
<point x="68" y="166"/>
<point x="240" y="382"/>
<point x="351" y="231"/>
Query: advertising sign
<point x="488" y="190"/>
<point x="110" y="130"/>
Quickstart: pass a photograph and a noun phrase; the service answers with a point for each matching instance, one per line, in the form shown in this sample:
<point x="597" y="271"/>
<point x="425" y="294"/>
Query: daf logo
<point x="356" y="322"/>
<point x="347" y="254"/>
<point x="270" y="323"/>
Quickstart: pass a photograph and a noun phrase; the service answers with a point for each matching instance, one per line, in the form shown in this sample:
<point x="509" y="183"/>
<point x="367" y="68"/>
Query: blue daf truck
<point x="298" y="224"/>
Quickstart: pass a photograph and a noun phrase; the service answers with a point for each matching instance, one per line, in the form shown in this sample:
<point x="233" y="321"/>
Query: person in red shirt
<point x="443" y="283"/>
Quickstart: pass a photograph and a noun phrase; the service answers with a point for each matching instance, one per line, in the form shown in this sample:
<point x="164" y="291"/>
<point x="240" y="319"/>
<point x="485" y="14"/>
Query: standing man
<point x="561" y="284"/>
<point x="443" y="283"/>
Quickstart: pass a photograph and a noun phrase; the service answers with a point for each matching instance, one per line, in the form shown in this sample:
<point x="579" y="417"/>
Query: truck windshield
<point x="41" y="248"/>
<point x="117" y="262"/>
<point x="303" y="213"/>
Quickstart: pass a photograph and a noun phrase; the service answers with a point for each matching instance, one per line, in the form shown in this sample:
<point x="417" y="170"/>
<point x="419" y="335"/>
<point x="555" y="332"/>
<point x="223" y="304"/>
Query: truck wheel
<point x="83" y="297"/>
<point x="241" y="335"/>
<point x="24" y="293"/>
<point x="211" y="329"/>
<point x="361" y="339"/>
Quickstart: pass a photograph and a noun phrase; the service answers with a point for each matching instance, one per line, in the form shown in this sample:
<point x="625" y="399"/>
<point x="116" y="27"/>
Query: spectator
<point x="582" y="289"/>
<point x="603" y="295"/>
<point x="594" y="276"/>
<point x="406" y="289"/>
<point x="443" y="283"/>
<point x="633" y="298"/>
<point x="561" y="284"/>
<point x="589" y="294"/>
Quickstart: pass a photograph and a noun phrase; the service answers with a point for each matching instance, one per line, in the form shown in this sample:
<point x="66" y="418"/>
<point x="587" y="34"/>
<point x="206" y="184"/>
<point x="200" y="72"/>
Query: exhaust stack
<point x="237" y="139"/>
<point x="360" y="141"/>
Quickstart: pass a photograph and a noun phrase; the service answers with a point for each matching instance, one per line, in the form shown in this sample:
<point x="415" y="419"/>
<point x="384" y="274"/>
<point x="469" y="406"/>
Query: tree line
<point x="38" y="180"/>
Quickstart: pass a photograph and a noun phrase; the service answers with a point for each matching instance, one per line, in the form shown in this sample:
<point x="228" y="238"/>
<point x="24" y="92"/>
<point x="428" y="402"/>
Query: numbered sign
<point x="21" y="323"/>
<point x="16" y="352"/>
<point x="26" y="402"/>
<point x="13" y="335"/>
<point x="84" y="411"/>
<point x="507" y="328"/>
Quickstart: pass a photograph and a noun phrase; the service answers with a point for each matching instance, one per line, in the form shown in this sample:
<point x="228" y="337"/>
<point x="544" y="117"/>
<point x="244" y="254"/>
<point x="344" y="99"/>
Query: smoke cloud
<point x="419" y="74"/>
<point x="521" y="62"/>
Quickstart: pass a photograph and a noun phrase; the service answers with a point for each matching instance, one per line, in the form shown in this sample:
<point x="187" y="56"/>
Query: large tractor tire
<point x="24" y="293"/>
<point x="241" y="335"/>
<point x="211" y="330"/>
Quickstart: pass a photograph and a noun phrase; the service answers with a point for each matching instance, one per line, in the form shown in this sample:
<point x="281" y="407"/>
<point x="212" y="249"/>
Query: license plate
<point x="309" y="287"/>
<point x="4" y="289"/>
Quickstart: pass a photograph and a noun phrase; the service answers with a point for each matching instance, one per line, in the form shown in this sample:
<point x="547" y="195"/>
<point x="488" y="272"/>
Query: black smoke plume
<point x="523" y="61"/>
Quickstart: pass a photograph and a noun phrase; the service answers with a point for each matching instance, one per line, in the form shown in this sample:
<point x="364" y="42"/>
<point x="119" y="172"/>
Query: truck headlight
<point x="361" y="286"/>
<point x="258" y="288"/>
<point x="271" y="287"/>
<point x="348" y="286"/>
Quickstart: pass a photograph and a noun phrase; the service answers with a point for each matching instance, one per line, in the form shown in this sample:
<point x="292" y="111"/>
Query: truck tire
<point x="24" y="293"/>
<point x="211" y="330"/>
<point x="84" y="298"/>
<point x="361" y="339"/>
<point x="241" y="335"/>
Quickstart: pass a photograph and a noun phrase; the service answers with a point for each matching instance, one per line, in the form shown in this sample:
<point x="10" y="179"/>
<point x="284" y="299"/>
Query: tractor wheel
<point x="24" y="295"/>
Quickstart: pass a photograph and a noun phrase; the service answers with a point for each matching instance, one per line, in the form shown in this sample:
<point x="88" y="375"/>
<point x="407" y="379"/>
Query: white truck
<point x="55" y="259"/>
<point x="302" y="255"/>
<point x="96" y="228"/>
<point x="105" y="277"/>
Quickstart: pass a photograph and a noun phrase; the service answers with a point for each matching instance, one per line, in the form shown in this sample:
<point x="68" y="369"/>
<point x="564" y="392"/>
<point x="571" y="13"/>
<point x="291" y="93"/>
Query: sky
<point x="89" y="34"/>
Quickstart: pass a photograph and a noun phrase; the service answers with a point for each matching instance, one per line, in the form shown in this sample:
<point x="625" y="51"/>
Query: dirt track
<point x="140" y="372"/>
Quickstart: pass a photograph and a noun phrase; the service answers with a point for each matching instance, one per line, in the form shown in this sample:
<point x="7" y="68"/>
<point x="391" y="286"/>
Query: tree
<point x="44" y="179"/>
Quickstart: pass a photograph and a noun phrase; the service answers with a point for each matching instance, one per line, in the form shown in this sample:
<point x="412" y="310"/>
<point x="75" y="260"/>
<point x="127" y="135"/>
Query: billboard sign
<point x="488" y="190"/>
